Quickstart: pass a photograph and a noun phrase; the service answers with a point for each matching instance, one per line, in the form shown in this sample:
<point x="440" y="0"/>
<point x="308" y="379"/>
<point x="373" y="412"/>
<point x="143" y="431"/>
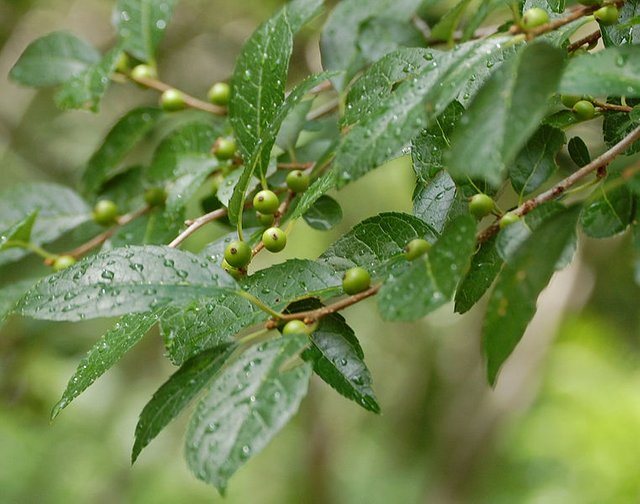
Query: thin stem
<point x="561" y="187"/>
<point x="295" y="166"/>
<point x="592" y="38"/>
<point x="252" y="336"/>
<point x="611" y="106"/>
<point x="195" y="224"/>
<point x="259" y="304"/>
<point x="32" y="247"/>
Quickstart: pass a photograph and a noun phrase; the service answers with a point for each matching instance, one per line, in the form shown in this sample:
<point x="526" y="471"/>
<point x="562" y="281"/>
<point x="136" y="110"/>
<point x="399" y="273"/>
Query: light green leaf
<point x="437" y="201"/>
<point x="448" y="24"/>
<point x="53" y="59"/>
<point x="293" y="125"/>
<point x="19" y="232"/>
<point x="177" y="393"/>
<point x="190" y="173"/>
<point x="319" y="187"/>
<point x="325" y="214"/>
<point x="247" y="405"/>
<point x="11" y="293"/>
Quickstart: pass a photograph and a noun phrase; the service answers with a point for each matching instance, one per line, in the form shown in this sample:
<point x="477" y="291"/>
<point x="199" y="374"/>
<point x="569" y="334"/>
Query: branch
<point x="588" y="40"/>
<point x="611" y="106"/>
<point x="195" y="224"/>
<point x="559" y="189"/>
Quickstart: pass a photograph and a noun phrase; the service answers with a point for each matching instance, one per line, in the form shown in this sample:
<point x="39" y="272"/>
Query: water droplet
<point x="107" y="275"/>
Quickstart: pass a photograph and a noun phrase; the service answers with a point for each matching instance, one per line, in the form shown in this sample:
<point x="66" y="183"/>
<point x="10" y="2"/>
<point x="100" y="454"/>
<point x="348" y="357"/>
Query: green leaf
<point x="10" y="294"/>
<point x="579" y="151"/>
<point x="157" y="227"/>
<point x="59" y="210"/>
<point x="85" y="90"/>
<point x="325" y="214"/>
<point x="380" y="35"/>
<point x="375" y="242"/>
<point x="19" y="232"/>
<point x="448" y="24"/>
<point x="53" y="59"/>
<point x="618" y="125"/>
<point x="513" y="300"/>
<point x="609" y="214"/>
<point x="614" y="71"/>
<point x="320" y="186"/>
<point x="293" y="125"/>
<point x="124" y="280"/>
<point x="422" y="285"/>
<point x="105" y="163"/>
<point x="190" y="174"/>
<point x="635" y="237"/>
<point x="485" y="266"/>
<point x="437" y="201"/>
<point x="112" y="346"/>
<point x="555" y="8"/>
<point x="300" y="12"/>
<point x="177" y="393"/>
<point x="562" y="119"/>
<point x="536" y="162"/>
<point x="246" y="406"/>
<point x="141" y="25"/>
<point x="627" y="30"/>
<point x="413" y="105"/>
<point x="507" y="110"/>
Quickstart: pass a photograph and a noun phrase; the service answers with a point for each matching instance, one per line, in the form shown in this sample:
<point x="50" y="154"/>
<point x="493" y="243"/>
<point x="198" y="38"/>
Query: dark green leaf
<point x="190" y="173"/>
<point x="562" y="119"/>
<point x="109" y="350"/>
<point x="324" y="214"/>
<point x="53" y="59"/>
<point x="141" y="25"/>
<point x="536" y="162"/>
<point x="156" y="227"/>
<point x="177" y="392"/>
<point x="293" y="125"/>
<point x="579" y="151"/>
<point x="513" y="300"/>
<point x="437" y="201"/>
<point x="507" y="110"/>
<point x="320" y="186"/>
<point x="627" y="30"/>
<point x="381" y="35"/>
<point x="448" y="24"/>
<point x="247" y="405"/>
<point x="614" y="71"/>
<point x="124" y="280"/>
<point x="19" y="232"/>
<point x="618" y="125"/>
<point x="609" y="214"/>
<point x="422" y="285"/>
<point x="105" y="163"/>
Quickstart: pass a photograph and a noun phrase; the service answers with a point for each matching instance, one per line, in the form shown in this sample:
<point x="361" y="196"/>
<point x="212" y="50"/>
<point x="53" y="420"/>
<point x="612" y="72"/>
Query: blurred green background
<point x="562" y="426"/>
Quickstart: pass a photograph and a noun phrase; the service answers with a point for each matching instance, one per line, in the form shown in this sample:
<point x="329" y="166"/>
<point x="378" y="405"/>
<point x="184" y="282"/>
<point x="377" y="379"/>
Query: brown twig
<point x="588" y="40"/>
<point x="295" y="166"/>
<point x="195" y="224"/>
<point x="313" y="315"/>
<point x="611" y="106"/>
<point x="560" y="188"/>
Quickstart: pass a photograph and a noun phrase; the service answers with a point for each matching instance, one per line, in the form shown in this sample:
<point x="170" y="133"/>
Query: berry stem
<point x="259" y="304"/>
<point x="32" y="247"/>
<point x="195" y="224"/>
<point x="592" y="38"/>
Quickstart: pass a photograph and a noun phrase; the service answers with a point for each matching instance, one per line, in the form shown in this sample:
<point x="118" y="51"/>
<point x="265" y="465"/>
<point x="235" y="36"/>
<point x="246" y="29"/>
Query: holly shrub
<point x="478" y="107"/>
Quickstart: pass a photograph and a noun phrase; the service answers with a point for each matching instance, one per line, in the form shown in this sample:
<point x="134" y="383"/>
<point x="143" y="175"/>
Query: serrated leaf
<point x="614" y="71"/>
<point x="325" y="214"/>
<point x="420" y="286"/>
<point x="124" y="280"/>
<point x="85" y="90"/>
<point x="507" y="110"/>
<point x="381" y="35"/>
<point x="10" y="294"/>
<point x="20" y="232"/>
<point x="536" y="162"/>
<point x="376" y="241"/>
<point x="117" y="341"/>
<point x="578" y="151"/>
<point x="627" y="30"/>
<point x="609" y="214"/>
<point x="190" y="173"/>
<point x="618" y="125"/>
<point x="247" y="405"/>
<point x="141" y="25"/>
<point x="319" y="187"/>
<point x="177" y="393"/>
<point x="485" y="266"/>
<point x="513" y="300"/>
<point x="59" y="210"/>
<point x="105" y="163"/>
<point x="412" y="106"/>
<point x="437" y="201"/>
<point x="53" y="59"/>
<point x="562" y="119"/>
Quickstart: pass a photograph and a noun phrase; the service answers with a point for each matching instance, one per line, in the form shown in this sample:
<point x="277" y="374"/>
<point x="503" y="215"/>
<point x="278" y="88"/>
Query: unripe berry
<point x="569" y="101"/>
<point x="584" y="109"/>
<point x="237" y="254"/>
<point x="298" y="181"/>
<point x="295" y="327"/>
<point x="143" y="72"/>
<point x="534" y="17"/>
<point x="508" y="219"/>
<point x="266" y="202"/>
<point x="416" y="248"/>
<point x="355" y="280"/>
<point x="155" y="196"/>
<point x="274" y="239"/>
<point x="234" y="272"/>
<point x="224" y="148"/>
<point x="481" y="205"/>
<point x="63" y="262"/>
<point x="172" y="100"/>
<point x="607" y="15"/>
<point x="219" y="93"/>
<point x="105" y="213"/>
<point x="265" y="219"/>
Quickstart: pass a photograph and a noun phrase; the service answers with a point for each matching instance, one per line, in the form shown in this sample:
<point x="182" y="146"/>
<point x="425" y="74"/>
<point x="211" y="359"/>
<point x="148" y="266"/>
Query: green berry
<point x="295" y="327"/>
<point x="607" y="15"/>
<point x="298" y="181"/>
<point x="219" y="93"/>
<point x="534" y="17"/>
<point x="143" y="72"/>
<point x="584" y="109"/>
<point x="172" y="100"/>
<point x="481" y="205"/>
<point x="416" y="248"/>
<point x="569" y="101"/>
<point x="237" y="254"/>
<point x="266" y="202"/>
<point x="225" y="148"/>
<point x="63" y="262"/>
<point x="508" y="219"/>
<point x="155" y="196"/>
<point x="105" y="212"/>
<point x="274" y="239"/>
<point x="265" y="219"/>
<point x="234" y="272"/>
<point x="355" y="280"/>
